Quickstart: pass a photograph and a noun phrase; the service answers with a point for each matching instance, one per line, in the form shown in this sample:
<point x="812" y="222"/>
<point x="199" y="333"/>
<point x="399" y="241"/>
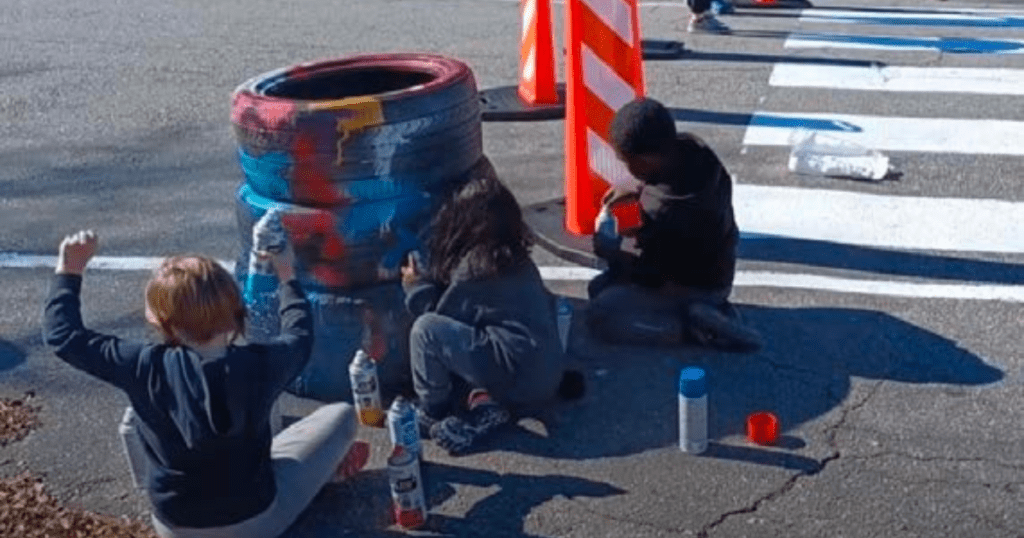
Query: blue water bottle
<point x="693" y="411"/>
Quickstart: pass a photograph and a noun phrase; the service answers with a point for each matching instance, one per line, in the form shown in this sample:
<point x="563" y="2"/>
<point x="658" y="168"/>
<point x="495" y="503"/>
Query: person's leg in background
<point x="702" y="18"/>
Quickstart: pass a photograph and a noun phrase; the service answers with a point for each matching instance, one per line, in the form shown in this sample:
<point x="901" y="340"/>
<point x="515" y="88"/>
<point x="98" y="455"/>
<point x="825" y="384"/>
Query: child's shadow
<point x="361" y="507"/>
<point x="803" y="372"/>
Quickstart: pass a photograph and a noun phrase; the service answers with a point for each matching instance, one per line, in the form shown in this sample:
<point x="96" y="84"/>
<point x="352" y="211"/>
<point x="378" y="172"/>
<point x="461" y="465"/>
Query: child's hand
<point x="75" y="252"/>
<point x="410" y="273"/>
<point x="283" y="262"/>
<point x="617" y="196"/>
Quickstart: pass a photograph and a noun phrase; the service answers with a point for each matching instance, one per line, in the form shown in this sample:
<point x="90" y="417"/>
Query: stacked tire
<point x="357" y="153"/>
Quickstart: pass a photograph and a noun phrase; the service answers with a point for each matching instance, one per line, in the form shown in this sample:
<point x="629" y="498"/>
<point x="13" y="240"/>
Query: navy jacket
<point x="205" y="423"/>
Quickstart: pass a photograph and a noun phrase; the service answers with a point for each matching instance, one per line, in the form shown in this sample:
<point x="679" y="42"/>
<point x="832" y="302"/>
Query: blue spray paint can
<point x="262" y="322"/>
<point x="564" y="320"/>
<point x="693" y="411"/>
<point x="403" y="427"/>
<point x="260" y="293"/>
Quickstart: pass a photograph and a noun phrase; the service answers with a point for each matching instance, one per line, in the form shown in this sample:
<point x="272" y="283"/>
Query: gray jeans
<point x="630" y="314"/>
<point x="304" y="457"/>
<point x="440" y="351"/>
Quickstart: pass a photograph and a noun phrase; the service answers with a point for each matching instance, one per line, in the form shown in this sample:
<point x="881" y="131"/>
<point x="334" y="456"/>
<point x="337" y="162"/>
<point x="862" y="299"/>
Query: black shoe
<point x="711" y="327"/>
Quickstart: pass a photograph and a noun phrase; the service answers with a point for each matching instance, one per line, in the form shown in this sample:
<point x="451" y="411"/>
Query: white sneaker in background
<point x="706" y="23"/>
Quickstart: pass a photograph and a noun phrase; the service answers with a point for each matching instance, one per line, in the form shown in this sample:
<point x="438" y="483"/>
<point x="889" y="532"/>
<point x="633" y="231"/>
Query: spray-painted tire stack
<point x="357" y="153"/>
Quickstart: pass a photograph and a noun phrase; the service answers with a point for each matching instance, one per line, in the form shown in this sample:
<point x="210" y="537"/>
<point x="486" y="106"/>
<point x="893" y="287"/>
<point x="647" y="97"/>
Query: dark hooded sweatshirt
<point x="687" y="235"/>
<point x="205" y="423"/>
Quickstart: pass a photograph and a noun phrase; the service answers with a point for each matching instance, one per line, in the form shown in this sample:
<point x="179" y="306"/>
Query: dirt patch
<point x="17" y="418"/>
<point x="27" y="511"/>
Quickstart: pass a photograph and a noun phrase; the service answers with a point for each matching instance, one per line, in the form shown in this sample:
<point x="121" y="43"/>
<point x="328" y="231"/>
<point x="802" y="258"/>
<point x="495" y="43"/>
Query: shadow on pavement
<point x="10" y="355"/>
<point x="877" y="260"/>
<point x="803" y="372"/>
<point x="361" y="507"/>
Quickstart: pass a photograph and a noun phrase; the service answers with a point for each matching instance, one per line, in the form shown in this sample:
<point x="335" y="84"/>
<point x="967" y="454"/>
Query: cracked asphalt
<point x="900" y="417"/>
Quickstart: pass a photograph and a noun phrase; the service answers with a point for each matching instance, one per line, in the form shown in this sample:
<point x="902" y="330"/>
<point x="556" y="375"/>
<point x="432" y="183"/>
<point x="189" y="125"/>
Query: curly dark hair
<point x="481" y="223"/>
<point x="642" y="126"/>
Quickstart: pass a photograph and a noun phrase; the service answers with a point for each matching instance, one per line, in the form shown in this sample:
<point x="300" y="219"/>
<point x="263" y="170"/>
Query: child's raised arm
<point x="75" y="252"/>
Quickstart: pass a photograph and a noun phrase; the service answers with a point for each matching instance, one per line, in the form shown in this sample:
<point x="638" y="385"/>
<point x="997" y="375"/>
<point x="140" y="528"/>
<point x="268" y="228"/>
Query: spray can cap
<point x="692" y="382"/>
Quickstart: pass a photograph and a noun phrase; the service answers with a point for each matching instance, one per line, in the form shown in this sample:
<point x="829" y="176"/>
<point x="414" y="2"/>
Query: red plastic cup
<point x="763" y="428"/>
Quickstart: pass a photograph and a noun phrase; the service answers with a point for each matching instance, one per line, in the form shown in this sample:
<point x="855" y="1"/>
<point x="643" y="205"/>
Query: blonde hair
<point x="195" y="298"/>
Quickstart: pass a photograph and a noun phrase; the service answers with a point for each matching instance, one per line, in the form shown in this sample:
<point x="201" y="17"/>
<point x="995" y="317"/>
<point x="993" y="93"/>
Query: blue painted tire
<point x="312" y="133"/>
<point x="361" y="243"/>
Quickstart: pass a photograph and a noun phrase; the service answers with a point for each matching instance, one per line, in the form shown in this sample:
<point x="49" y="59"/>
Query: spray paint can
<point x="564" y="318"/>
<point x="403" y="426"/>
<point x="260" y="293"/>
<point x="606" y="224"/>
<point x="407" y="496"/>
<point x="262" y="322"/>
<point x="606" y="234"/>
<point x="366" y="390"/>
<point x="693" y="411"/>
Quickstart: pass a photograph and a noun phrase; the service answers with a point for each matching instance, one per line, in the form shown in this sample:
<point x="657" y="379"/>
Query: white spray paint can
<point x="693" y="411"/>
<point x="407" y="496"/>
<point x="366" y="390"/>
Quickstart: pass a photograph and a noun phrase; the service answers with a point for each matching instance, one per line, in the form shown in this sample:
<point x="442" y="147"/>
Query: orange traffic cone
<point x="537" y="55"/>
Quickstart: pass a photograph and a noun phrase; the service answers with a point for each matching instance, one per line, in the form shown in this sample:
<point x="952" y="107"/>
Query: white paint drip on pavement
<point x="900" y="79"/>
<point x="889" y="133"/>
<point x="765" y="279"/>
<point x="897" y="15"/>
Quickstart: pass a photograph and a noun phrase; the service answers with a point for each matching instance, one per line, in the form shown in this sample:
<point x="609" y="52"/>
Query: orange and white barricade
<point x="604" y="70"/>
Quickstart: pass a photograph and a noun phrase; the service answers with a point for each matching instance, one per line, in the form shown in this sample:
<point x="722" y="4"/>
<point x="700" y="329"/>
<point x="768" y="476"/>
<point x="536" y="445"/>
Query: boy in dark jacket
<point x="200" y="404"/>
<point x="677" y="287"/>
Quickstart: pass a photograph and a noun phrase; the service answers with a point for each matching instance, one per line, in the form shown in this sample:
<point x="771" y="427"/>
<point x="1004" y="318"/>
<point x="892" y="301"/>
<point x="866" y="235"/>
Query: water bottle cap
<point x="692" y="382"/>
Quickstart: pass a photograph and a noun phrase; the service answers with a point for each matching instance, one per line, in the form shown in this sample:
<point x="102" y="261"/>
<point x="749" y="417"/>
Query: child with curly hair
<point x="485" y="318"/>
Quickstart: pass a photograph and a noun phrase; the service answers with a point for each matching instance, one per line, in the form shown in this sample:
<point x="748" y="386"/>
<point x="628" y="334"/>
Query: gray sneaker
<point x="457" y="435"/>
<point x="707" y="24"/>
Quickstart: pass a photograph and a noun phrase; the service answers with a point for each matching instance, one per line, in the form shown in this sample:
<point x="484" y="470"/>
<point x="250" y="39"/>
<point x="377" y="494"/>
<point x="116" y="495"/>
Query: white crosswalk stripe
<point x="913" y="224"/>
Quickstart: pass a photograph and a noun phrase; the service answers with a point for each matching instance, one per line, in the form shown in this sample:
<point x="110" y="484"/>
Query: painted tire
<point x="357" y="244"/>
<point x="332" y="132"/>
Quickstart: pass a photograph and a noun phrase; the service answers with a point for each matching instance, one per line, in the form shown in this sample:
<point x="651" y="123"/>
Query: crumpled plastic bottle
<point x="819" y="154"/>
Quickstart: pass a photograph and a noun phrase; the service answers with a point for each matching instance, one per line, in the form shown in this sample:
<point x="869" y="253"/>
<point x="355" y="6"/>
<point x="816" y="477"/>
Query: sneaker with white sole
<point x="707" y="24"/>
<point x="711" y="326"/>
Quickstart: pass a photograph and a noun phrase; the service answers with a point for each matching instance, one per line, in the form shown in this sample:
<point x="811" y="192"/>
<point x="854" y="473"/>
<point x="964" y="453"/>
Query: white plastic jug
<point x="819" y="154"/>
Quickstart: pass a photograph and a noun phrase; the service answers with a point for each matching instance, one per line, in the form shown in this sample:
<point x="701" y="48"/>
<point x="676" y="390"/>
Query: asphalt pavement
<point x="896" y="371"/>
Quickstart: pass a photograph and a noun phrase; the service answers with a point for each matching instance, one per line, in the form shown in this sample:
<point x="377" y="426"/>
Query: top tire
<point x="360" y="128"/>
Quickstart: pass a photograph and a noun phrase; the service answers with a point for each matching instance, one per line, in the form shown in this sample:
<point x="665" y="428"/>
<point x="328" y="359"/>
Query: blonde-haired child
<point x="201" y="403"/>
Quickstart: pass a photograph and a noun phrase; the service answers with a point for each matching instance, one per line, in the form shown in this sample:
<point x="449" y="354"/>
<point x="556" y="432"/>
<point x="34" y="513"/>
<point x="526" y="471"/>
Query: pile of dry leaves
<point x="27" y="511"/>
<point x="17" y="418"/>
